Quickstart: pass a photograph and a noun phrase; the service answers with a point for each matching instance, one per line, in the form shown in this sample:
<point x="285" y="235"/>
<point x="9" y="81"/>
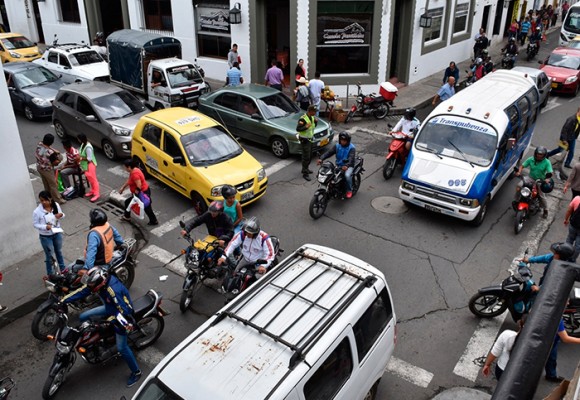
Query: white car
<point x="75" y="62"/>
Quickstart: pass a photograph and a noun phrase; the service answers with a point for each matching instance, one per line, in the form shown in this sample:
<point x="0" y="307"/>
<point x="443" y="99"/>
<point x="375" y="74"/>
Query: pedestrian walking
<point x="233" y="56"/>
<point x="234" y="75"/>
<point x="568" y="135"/>
<point x="303" y="94"/>
<point x="565" y="8"/>
<point x="137" y="184"/>
<point x="46" y="219"/>
<point x="274" y="77"/>
<point x="316" y="87"/>
<point x="71" y="165"/>
<point x="502" y="349"/>
<point x="551" y="363"/>
<point x="45" y="167"/>
<point x="525" y="28"/>
<point x="451" y="70"/>
<point x="573" y="181"/>
<point x="306" y="125"/>
<point x="445" y="92"/>
<point x="300" y="71"/>
<point x="88" y="163"/>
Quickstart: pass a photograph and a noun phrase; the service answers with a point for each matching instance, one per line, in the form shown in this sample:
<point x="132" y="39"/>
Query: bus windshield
<point x="572" y="22"/>
<point x="457" y="137"/>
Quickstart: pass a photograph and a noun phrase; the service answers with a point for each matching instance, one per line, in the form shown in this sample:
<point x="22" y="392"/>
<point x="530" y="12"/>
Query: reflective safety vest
<point x="107" y="245"/>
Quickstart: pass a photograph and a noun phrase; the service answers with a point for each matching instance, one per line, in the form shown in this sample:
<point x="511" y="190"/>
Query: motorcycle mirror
<point x="182" y="224"/>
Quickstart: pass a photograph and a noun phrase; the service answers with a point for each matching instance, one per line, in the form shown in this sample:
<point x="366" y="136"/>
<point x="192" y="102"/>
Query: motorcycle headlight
<point x="41" y="102"/>
<point x="14" y="55"/>
<point x="571" y="79"/>
<point x="261" y="174"/>
<point x="121" y="131"/>
<point x="216" y="191"/>
<point x="63" y="348"/>
<point x="525" y="192"/>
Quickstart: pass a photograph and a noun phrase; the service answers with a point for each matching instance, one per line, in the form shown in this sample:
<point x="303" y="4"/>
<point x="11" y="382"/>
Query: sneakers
<point x="126" y="219"/>
<point x="307" y="177"/>
<point x="3" y="308"/>
<point x="556" y="379"/>
<point x="134" y="378"/>
<point x="153" y="223"/>
<point x="89" y="194"/>
<point x="94" y="199"/>
<point x="348" y="195"/>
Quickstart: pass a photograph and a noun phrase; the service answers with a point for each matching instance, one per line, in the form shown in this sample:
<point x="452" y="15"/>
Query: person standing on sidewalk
<point x="88" y="164"/>
<point x="568" y="135"/>
<point x="306" y="125"/>
<point x="445" y="92"/>
<point x="137" y="183"/>
<point x="502" y="349"/>
<point x="46" y="219"/>
<point x="233" y="56"/>
<point x="551" y="363"/>
<point x="45" y="168"/>
<point x="573" y="181"/>
<point x="525" y="28"/>
<point x="316" y="87"/>
<point x="572" y="220"/>
<point x="451" y="70"/>
<point x="274" y="77"/>
<point x="234" y="75"/>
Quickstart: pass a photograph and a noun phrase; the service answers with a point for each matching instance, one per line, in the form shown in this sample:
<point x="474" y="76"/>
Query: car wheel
<point x="28" y="113"/>
<point x="109" y="150"/>
<point x="141" y="166"/>
<point x="577" y="89"/>
<point x="279" y="147"/>
<point x="59" y="130"/>
<point x="198" y="203"/>
<point x="545" y="102"/>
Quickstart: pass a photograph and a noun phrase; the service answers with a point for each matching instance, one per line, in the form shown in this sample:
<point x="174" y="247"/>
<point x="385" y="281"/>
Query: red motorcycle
<point x="376" y="104"/>
<point x="397" y="153"/>
<point x="528" y="202"/>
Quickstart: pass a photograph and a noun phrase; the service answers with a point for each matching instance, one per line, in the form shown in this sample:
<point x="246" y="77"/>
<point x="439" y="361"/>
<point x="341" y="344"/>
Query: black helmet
<point x="252" y="226"/>
<point x="216" y="206"/>
<point x="344" y="136"/>
<point x="564" y="250"/>
<point x="547" y="187"/>
<point x="540" y="151"/>
<point x="97" y="217"/>
<point x="95" y="278"/>
<point x="410" y="113"/>
<point x="228" y="191"/>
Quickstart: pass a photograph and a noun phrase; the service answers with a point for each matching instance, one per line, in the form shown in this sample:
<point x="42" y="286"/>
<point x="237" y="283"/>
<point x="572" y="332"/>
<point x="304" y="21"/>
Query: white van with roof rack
<point x="320" y="325"/>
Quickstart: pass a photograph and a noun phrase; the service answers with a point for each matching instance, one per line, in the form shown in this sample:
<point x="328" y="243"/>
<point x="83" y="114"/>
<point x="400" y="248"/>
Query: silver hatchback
<point x="105" y="113"/>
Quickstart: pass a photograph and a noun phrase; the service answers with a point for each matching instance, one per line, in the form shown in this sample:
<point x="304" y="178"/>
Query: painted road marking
<point x="552" y="103"/>
<point x="157" y="253"/>
<point x="119" y="170"/>
<point x="272" y="169"/>
<point x="173" y="223"/>
<point x="408" y="372"/>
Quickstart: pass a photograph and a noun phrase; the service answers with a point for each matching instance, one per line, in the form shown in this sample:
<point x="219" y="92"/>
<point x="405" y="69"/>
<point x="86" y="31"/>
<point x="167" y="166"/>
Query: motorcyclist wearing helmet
<point x="345" y="157"/>
<point x="409" y="125"/>
<point x="117" y="308"/>
<point x="232" y="207"/>
<point x="255" y="244"/>
<point x="101" y="240"/>
<point x="218" y="223"/>
<point x="540" y="169"/>
<point x="536" y="36"/>
<point x="512" y="49"/>
<point x="558" y="251"/>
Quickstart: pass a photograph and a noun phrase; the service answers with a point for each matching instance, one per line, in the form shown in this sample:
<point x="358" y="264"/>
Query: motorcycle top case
<point x="388" y="91"/>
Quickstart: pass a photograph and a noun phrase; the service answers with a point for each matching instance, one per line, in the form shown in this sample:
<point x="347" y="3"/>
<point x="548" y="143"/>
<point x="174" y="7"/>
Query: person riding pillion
<point x="305" y="128"/>
<point x="218" y="223"/>
<point x="345" y="157"/>
<point x="409" y="125"/>
<point x="101" y="240"/>
<point x="540" y="169"/>
<point x="255" y="244"/>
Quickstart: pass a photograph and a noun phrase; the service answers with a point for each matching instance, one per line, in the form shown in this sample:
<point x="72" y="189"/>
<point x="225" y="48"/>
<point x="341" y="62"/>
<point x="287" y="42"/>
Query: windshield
<point x="458" y="137"/>
<point x="155" y="390"/>
<point x="572" y="23"/>
<point x="34" y="77"/>
<point x="210" y="146"/>
<point x="564" y="61"/>
<point x="277" y="105"/>
<point x="19" y="42"/>
<point x="118" y="105"/>
<point x="86" y="57"/>
<point x="184" y="75"/>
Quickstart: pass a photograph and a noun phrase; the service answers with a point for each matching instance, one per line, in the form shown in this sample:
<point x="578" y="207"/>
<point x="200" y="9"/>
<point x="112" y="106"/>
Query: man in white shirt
<point x="316" y="86"/>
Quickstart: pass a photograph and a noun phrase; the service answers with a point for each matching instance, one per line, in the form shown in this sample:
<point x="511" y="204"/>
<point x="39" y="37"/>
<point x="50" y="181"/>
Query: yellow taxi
<point x="196" y="156"/>
<point x="16" y="47"/>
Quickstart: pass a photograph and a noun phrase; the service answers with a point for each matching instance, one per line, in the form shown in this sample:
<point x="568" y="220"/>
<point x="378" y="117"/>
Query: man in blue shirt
<point x="234" y="75"/>
<point x="562" y="335"/>
<point x="345" y="157"/>
<point x="446" y="91"/>
<point x="559" y="251"/>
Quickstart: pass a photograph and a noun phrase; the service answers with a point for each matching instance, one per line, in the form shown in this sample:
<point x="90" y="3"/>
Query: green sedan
<point x="263" y="115"/>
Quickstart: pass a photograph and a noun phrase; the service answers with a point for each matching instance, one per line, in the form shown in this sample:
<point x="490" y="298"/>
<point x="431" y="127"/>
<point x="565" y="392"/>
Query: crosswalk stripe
<point x="272" y="169"/>
<point x="408" y="372"/>
<point x="119" y="170"/>
<point x="172" y="223"/>
<point x="157" y="253"/>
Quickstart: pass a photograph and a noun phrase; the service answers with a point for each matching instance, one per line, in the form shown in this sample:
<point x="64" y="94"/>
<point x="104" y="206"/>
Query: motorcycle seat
<point x="143" y="304"/>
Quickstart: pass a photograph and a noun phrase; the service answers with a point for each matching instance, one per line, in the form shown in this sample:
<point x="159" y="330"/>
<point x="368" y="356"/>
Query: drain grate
<point x="112" y="208"/>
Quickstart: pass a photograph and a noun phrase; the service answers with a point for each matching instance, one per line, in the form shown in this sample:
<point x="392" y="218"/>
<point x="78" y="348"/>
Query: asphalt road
<point x="433" y="265"/>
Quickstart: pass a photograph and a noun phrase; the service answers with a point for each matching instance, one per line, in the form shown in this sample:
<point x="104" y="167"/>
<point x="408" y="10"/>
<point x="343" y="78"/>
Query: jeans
<point x="121" y="339"/>
<point x="52" y="244"/>
<point x="551" y="364"/>
<point x="574" y="239"/>
<point x="348" y="178"/>
<point x="570" y="156"/>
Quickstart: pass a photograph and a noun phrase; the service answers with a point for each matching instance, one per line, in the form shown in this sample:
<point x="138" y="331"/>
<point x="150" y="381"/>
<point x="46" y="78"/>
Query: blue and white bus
<point x="571" y="26"/>
<point x="469" y="145"/>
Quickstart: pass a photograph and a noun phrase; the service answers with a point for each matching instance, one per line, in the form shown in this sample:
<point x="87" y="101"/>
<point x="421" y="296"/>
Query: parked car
<point x="75" y="62"/>
<point x="196" y="156"/>
<point x="543" y="83"/>
<point x="105" y="113"/>
<point x="574" y="43"/>
<point x="263" y="115"/>
<point x="563" y="68"/>
<point x="16" y="47"/>
<point x="32" y="88"/>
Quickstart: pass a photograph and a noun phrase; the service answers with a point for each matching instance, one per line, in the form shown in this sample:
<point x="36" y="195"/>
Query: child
<point x="232" y="207"/>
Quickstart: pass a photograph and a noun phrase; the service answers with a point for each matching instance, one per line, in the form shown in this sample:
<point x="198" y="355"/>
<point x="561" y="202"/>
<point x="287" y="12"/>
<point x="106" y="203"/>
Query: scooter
<point x="397" y="152"/>
<point x="532" y="50"/>
<point x="528" y="203"/>
<point x="376" y="104"/>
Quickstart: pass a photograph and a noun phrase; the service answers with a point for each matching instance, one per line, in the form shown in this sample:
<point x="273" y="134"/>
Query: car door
<point x="175" y="172"/>
<point x="64" y="112"/>
<point x="93" y="129"/>
<point x="249" y="121"/>
<point x="226" y="111"/>
<point x="16" y="96"/>
<point x="544" y="86"/>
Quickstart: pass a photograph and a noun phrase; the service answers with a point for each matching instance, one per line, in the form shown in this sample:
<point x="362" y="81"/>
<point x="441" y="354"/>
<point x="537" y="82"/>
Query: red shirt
<point x="137" y="175"/>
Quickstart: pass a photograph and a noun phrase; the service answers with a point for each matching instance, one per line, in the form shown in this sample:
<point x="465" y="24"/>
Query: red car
<point x="563" y="69"/>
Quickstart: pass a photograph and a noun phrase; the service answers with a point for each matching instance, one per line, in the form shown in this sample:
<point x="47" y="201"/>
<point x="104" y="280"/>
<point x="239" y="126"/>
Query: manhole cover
<point x="389" y="205"/>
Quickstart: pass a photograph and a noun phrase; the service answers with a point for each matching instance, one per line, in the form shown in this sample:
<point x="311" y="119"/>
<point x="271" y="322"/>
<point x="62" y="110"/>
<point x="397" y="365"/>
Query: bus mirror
<point x="511" y="143"/>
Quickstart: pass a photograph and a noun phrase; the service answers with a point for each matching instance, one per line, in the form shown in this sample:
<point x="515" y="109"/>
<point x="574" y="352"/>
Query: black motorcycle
<point x="532" y="50"/>
<point x="45" y="322"/>
<point x="201" y="263"/>
<point x="507" y="61"/>
<point x="332" y="185"/>
<point x="95" y="341"/>
<point x="571" y="314"/>
<point x="6" y="385"/>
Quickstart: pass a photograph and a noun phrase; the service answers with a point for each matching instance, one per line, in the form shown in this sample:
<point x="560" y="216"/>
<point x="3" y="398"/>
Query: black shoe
<point x="308" y="178"/>
<point x="567" y="166"/>
<point x="310" y="171"/>
<point x="545" y="214"/>
<point x="153" y="223"/>
<point x="556" y="379"/>
<point x="134" y="378"/>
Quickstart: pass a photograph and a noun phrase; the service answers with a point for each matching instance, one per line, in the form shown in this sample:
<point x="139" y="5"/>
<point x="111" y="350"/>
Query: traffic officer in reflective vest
<point x="101" y="240"/>
<point x="306" y="125"/>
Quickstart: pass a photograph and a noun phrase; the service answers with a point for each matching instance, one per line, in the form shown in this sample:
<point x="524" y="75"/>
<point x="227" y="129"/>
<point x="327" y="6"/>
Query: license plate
<point x="431" y="208"/>
<point x="192" y="104"/>
<point x="323" y="142"/>
<point x="247" y="195"/>
<point x="554" y="85"/>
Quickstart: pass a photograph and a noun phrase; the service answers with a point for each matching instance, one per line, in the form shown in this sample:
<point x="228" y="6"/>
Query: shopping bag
<point x="144" y="198"/>
<point x="136" y="207"/>
<point x="59" y="183"/>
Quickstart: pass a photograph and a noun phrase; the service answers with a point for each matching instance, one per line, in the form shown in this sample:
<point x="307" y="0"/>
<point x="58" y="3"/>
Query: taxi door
<point x="177" y="174"/>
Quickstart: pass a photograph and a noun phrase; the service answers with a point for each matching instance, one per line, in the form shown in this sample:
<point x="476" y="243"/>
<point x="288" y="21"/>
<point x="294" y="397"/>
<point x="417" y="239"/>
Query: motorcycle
<point x="332" y="185"/>
<point x="528" y="202"/>
<point x="200" y="261"/>
<point x="100" y="45"/>
<point x="376" y="104"/>
<point x="532" y="50"/>
<point x="513" y="294"/>
<point x="45" y="321"/>
<point x="397" y="152"/>
<point x="507" y="62"/>
<point x="95" y="341"/>
<point x="6" y="386"/>
<point x="571" y="314"/>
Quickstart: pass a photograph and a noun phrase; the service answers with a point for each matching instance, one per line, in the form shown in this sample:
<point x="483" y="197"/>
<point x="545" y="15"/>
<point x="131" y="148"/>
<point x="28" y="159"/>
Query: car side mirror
<point x="511" y="143"/>
<point x="178" y="160"/>
<point x="256" y="116"/>
<point x="91" y="118"/>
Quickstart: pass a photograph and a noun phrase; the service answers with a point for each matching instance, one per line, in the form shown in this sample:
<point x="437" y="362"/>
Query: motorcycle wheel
<point x="147" y="331"/>
<point x="356" y="179"/>
<point x="126" y="274"/>
<point x="53" y="383"/>
<point x="389" y="168"/>
<point x="519" y="221"/>
<point x="44" y="324"/>
<point x="188" y="293"/>
<point x="486" y="305"/>
<point x="572" y="323"/>
<point x="381" y="112"/>
<point x="349" y="116"/>
<point x="318" y="204"/>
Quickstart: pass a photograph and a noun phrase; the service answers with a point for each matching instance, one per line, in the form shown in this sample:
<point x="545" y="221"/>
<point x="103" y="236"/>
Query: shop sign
<point x="353" y="33"/>
<point x="213" y="20"/>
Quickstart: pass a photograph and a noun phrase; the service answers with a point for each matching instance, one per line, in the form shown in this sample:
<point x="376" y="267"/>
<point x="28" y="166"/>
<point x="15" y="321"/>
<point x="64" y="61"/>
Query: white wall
<point x="18" y="238"/>
<point x="66" y="32"/>
<point x="21" y="18"/>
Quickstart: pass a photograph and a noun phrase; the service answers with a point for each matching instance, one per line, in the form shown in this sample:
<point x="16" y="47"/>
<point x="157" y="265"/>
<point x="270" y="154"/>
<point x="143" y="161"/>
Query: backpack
<point x="243" y="235"/>
<point x="575" y="218"/>
<point x="303" y="94"/>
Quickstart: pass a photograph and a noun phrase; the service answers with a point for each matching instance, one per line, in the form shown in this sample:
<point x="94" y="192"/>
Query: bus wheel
<point x="482" y="213"/>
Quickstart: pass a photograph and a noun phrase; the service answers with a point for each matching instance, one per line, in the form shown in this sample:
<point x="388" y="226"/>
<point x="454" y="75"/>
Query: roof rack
<point x="305" y="343"/>
<point x="71" y="46"/>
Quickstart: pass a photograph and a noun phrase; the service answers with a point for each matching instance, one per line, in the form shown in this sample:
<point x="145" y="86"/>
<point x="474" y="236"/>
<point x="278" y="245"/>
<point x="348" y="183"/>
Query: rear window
<point x="155" y="390"/>
<point x="372" y="324"/>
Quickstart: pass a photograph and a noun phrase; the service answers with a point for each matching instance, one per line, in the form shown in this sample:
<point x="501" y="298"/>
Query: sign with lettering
<point x="214" y="20"/>
<point x="353" y="33"/>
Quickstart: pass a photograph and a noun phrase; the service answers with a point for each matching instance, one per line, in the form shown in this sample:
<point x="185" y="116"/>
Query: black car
<point x="32" y="88"/>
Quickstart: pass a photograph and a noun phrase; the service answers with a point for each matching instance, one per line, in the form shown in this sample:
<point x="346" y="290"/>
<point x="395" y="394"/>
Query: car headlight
<point x="121" y="131"/>
<point x="261" y="174"/>
<point x="408" y="186"/>
<point x="216" y="191"/>
<point x="41" y="102"/>
<point x="14" y="55"/>
<point x="571" y="79"/>
<point x="175" y="97"/>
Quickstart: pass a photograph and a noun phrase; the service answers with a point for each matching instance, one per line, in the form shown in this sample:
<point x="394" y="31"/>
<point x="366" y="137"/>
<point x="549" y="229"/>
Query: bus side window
<point x="512" y="113"/>
<point x="524" y="108"/>
<point x="533" y="98"/>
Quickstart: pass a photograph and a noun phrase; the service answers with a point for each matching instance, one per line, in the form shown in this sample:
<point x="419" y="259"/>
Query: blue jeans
<point x="122" y="345"/>
<point x="348" y="178"/>
<point x="552" y="361"/>
<point x="574" y="239"/>
<point x="52" y="244"/>
<point x="569" y="157"/>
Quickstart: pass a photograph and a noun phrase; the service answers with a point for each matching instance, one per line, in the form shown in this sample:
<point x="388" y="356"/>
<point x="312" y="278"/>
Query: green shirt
<point x="90" y="155"/>
<point x="538" y="170"/>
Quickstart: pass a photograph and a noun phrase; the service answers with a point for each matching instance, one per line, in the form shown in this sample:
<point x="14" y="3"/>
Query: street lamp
<point x="236" y="14"/>
<point x="425" y="21"/>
